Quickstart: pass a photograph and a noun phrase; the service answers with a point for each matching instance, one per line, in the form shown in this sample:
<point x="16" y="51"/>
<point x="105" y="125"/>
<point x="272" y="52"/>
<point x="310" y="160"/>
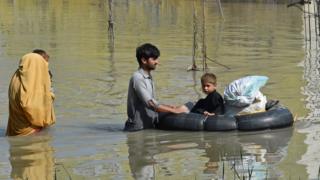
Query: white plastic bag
<point x="242" y="92"/>
<point x="258" y="106"/>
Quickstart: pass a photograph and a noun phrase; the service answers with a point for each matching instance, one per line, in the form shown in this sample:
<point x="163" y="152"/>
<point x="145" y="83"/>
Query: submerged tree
<point x="110" y="25"/>
<point x="199" y="35"/>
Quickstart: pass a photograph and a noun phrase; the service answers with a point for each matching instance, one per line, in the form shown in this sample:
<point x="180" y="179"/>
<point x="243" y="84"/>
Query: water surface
<point x="91" y="67"/>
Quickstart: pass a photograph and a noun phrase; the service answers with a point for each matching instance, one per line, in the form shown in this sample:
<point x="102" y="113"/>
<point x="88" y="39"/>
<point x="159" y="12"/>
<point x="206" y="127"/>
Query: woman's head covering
<point x="30" y="99"/>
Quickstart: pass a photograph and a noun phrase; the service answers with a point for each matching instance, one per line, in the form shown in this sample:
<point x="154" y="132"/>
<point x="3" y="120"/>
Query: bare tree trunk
<point x="204" y="46"/>
<point x="110" y="25"/>
<point x="195" y="32"/>
<point x="220" y="8"/>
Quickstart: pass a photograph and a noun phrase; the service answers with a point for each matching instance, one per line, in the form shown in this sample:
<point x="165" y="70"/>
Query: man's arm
<point x="168" y="108"/>
<point x="145" y="95"/>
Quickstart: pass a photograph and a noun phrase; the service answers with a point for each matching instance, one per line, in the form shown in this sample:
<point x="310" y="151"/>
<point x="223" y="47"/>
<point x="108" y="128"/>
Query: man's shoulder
<point x="137" y="75"/>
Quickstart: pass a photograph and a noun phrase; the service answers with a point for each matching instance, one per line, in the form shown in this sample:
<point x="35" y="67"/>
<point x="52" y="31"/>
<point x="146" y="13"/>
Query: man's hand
<point x="182" y="109"/>
<point x="206" y="113"/>
<point x="170" y="108"/>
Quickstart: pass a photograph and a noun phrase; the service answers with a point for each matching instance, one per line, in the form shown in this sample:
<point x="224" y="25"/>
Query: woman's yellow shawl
<point x="30" y="98"/>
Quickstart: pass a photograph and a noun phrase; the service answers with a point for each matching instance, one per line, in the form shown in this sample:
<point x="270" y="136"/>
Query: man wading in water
<point x="142" y="108"/>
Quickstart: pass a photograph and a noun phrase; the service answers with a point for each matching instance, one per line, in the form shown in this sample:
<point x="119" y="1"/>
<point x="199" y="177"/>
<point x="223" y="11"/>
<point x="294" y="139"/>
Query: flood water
<point x="91" y="66"/>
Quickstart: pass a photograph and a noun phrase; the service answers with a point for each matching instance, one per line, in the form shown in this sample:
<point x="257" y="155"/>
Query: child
<point x="213" y="103"/>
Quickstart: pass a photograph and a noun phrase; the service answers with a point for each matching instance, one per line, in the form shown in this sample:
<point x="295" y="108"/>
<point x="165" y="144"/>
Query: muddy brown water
<point x="91" y="67"/>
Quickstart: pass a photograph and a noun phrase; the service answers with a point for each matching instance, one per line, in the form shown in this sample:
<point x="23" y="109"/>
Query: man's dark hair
<point x="39" y="51"/>
<point x="147" y="51"/>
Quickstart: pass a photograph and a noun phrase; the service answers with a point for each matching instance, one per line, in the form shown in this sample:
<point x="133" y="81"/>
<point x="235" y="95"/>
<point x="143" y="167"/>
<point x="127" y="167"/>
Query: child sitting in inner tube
<point x="213" y="104"/>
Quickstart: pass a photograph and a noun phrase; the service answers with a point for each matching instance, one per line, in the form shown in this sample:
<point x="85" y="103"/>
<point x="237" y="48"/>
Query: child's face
<point x="208" y="88"/>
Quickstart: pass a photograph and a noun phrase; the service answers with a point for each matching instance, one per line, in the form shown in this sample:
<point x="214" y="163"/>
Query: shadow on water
<point x="223" y="151"/>
<point x="107" y="127"/>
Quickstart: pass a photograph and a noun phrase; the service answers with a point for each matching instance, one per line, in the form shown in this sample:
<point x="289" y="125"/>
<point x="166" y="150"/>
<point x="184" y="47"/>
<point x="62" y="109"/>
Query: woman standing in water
<point x="30" y="98"/>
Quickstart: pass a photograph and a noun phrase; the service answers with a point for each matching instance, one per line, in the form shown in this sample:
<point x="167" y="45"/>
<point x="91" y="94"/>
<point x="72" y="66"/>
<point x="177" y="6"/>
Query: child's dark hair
<point x="209" y="78"/>
<point x="147" y="51"/>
